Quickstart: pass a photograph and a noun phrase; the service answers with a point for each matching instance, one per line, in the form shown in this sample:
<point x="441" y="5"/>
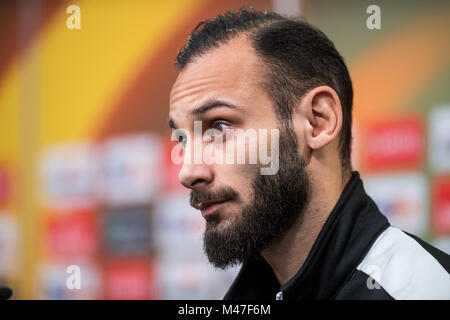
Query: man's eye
<point x="220" y="126"/>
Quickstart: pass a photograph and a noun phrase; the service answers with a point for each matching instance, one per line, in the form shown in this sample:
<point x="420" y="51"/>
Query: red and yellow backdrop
<point x="112" y="77"/>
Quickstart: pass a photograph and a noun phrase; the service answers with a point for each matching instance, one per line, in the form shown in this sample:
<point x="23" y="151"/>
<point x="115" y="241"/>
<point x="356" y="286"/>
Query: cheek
<point x="239" y="177"/>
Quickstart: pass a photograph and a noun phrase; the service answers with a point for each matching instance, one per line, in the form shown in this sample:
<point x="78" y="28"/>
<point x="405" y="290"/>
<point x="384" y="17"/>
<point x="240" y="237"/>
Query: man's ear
<point x="322" y="112"/>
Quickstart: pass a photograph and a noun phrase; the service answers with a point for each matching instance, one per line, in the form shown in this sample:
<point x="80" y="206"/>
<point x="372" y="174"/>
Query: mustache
<point x="201" y="195"/>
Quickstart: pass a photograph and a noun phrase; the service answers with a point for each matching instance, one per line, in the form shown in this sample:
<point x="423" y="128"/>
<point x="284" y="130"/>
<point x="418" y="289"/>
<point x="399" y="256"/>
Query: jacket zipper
<point x="279" y="296"/>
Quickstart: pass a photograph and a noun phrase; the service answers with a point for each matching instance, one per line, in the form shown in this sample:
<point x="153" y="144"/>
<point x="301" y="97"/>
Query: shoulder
<point x="400" y="266"/>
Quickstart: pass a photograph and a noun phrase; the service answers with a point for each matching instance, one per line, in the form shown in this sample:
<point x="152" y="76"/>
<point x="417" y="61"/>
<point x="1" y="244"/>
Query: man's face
<point x="244" y="210"/>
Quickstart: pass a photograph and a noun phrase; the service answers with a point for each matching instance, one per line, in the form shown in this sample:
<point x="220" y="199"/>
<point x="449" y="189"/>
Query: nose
<point x="192" y="174"/>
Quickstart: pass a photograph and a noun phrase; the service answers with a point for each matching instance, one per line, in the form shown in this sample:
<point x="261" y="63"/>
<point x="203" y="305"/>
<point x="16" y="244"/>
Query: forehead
<point x="232" y="71"/>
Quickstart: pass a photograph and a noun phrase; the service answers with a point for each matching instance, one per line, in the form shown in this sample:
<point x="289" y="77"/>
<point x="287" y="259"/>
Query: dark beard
<point x="276" y="201"/>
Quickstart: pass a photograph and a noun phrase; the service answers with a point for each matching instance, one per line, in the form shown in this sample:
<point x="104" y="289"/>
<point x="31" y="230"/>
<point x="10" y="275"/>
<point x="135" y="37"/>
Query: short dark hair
<point x="299" y="58"/>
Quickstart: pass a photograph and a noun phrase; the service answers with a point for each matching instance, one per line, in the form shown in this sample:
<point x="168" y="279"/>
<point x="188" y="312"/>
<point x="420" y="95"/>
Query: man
<point x="307" y="231"/>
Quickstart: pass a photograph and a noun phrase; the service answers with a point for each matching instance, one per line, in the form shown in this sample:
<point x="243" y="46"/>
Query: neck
<point x="288" y="253"/>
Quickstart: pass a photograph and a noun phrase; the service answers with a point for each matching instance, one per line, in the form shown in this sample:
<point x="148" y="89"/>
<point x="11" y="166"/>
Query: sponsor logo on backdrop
<point x="67" y="172"/>
<point x="71" y="233"/>
<point x="397" y="144"/>
<point x="130" y="170"/>
<point x="439" y="124"/>
<point x="402" y="198"/>
<point x="441" y="205"/>
<point x="127" y="231"/>
<point x="9" y="249"/>
<point x="130" y="279"/>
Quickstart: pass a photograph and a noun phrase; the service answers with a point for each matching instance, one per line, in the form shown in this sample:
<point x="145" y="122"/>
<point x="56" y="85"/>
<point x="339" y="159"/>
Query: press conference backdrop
<point x="86" y="181"/>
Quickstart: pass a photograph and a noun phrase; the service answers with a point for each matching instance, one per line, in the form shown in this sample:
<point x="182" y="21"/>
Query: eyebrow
<point x="172" y="124"/>
<point x="211" y="105"/>
<point x="203" y="109"/>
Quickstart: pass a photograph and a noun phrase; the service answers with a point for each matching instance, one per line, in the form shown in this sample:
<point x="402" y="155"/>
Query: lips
<point x="208" y="207"/>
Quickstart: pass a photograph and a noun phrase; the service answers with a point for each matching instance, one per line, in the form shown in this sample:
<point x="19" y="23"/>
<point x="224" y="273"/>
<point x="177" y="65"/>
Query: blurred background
<point x="85" y="171"/>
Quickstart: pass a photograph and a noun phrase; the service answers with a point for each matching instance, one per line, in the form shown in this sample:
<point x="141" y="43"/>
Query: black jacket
<point x="357" y="255"/>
